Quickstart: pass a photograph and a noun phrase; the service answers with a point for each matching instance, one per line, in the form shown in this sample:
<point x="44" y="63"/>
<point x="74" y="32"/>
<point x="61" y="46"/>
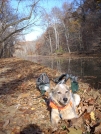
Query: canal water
<point x="87" y="69"/>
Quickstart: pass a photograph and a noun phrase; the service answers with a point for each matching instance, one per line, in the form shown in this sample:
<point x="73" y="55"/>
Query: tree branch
<point x="23" y="19"/>
<point x="16" y="31"/>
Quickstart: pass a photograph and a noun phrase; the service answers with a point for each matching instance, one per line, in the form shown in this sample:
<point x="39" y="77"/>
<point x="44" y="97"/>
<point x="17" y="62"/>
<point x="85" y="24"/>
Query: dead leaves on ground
<point x="91" y="105"/>
<point x="20" y="108"/>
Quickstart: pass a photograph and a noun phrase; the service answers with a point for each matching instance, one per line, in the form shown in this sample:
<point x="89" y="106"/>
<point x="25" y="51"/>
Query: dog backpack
<point x="43" y="83"/>
<point x="74" y="84"/>
<point x="64" y="77"/>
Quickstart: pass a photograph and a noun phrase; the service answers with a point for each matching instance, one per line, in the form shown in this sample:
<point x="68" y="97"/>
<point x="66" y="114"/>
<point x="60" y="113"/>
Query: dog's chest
<point x="67" y="113"/>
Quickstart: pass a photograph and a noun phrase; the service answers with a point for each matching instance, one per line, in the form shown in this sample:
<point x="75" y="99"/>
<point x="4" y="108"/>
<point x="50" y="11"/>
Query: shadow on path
<point x="31" y="129"/>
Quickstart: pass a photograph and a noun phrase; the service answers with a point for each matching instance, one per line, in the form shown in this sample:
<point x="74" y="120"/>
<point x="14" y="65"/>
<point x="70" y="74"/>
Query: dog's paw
<point x="54" y="129"/>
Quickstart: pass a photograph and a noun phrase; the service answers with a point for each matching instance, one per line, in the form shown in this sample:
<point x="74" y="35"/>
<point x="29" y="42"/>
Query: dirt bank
<point x="20" y="113"/>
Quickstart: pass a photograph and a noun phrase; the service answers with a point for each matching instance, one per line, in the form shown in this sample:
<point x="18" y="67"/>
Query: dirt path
<point x="20" y="113"/>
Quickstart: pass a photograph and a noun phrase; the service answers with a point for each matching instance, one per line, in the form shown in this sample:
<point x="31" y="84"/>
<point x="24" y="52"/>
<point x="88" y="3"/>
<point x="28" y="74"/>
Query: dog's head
<point x="61" y="94"/>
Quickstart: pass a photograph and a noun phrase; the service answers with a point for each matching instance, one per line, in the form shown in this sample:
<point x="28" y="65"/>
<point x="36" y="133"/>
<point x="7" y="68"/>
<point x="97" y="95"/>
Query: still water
<point x="88" y="69"/>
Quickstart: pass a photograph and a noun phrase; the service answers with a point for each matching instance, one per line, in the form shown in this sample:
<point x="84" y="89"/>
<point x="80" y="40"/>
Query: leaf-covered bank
<point x="21" y="113"/>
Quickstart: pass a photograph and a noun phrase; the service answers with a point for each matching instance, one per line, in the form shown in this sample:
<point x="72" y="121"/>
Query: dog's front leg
<point x="55" y="119"/>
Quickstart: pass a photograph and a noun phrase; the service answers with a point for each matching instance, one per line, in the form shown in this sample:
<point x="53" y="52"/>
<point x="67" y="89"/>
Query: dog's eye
<point x="59" y="92"/>
<point x="66" y="91"/>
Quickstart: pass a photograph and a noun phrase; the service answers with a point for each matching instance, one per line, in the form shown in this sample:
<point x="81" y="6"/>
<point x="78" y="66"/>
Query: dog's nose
<point x="65" y="99"/>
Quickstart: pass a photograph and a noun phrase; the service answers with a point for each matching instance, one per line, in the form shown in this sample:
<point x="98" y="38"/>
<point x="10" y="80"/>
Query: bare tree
<point x="12" y="23"/>
<point x="64" y="22"/>
<point x="54" y="24"/>
<point x="47" y="23"/>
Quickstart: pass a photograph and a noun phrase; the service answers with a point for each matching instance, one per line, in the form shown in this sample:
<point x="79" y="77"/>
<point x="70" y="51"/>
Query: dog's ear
<point x="67" y="87"/>
<point x="52" y="90"/>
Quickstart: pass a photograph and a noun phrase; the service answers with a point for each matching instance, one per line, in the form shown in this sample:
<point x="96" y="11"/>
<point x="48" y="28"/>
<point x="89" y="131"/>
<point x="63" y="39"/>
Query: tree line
<point x="75" y="27"/>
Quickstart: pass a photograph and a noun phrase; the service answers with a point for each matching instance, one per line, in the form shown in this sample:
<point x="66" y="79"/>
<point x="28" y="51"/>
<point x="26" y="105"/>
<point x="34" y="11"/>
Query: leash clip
<point x="60" y="114"/>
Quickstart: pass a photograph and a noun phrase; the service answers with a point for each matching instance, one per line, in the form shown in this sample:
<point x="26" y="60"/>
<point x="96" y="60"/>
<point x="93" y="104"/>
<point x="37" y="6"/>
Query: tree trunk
<point x="67" y="38"/>
<point x="56" y="37"/>
<point x="50" y="42"/>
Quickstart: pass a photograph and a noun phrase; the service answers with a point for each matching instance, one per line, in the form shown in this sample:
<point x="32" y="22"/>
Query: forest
<point x="74" y="28"/>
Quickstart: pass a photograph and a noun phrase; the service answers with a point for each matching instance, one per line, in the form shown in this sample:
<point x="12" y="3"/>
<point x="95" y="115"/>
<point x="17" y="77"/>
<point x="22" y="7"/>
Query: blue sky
<point x="47" y="5"/>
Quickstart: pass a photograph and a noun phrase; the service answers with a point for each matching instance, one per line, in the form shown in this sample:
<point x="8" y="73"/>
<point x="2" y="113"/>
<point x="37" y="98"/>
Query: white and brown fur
<point x="62" y="96"/>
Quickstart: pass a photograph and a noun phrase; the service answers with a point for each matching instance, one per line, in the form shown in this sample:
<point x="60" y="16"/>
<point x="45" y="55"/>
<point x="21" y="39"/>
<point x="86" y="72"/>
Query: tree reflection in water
<point x="88" y="69"/>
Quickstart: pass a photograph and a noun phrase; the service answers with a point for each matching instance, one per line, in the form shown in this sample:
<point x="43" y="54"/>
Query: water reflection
<point x="89" y="69"/>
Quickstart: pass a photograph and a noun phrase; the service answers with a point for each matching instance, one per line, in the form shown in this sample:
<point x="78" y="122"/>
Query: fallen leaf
<point x="6" y="123"/>
<point x="19" y="75"/>
<point x="90" y="108"/>
<point x="98" y="129"/>
<point x="78" y="123"/>
<point x="32" y="108"/>
<point x="1" y="124"/>
<point x="86" y="116"/>
<point x="16" y="130"/>
<point x="91" y="101"/>
<point x="75" y="131"/>
<point x="92" y="115"/>
<point x="23" y="95"/>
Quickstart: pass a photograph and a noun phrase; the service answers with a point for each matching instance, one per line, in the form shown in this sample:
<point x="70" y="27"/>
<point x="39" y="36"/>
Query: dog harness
<point x="54" y="106"/>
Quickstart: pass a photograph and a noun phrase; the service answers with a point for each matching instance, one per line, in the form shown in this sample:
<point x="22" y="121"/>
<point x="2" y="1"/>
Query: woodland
<point x="74" y="28"/>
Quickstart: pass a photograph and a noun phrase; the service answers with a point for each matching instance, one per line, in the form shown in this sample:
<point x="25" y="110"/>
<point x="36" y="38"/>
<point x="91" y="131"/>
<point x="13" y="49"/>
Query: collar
<point x="54" y="106"/>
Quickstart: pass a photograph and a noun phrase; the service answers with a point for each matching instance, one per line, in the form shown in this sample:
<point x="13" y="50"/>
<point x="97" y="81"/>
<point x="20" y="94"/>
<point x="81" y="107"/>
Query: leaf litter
<point x="21" y="113"/>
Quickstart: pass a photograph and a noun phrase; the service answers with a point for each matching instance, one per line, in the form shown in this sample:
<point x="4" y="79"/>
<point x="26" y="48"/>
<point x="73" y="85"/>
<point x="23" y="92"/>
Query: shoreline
<point x="72" y="55"/>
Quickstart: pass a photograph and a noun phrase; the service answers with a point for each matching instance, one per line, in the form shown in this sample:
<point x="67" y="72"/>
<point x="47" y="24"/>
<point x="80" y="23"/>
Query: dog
<point x="63" y="104"/>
